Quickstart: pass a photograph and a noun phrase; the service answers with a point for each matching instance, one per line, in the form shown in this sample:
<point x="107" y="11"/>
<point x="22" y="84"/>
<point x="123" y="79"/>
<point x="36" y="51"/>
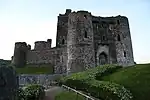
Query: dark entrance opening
<point x="103" y="59"/>
<point x="63" y="41"/>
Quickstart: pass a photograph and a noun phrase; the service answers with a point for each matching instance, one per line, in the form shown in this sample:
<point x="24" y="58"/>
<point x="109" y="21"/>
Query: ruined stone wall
<point x="43" y="79"/>
<point x="42" y="45"/>
<point x="62" y="29"/>
<point x="57" y="57"/>
<point x="20" y="51"/>
<point x="103" y="39"/>
<point x="80" y="42"/>
<point x="124" y="49"/>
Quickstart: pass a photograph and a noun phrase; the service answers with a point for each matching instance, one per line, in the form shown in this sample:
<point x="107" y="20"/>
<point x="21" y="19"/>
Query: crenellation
<point x="83" y="41"/>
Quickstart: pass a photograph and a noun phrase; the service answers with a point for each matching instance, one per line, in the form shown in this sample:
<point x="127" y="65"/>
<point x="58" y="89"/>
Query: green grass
<point x="135" y="78"/>
<point x="35" y="69"/>
<point x="65" y="95"/>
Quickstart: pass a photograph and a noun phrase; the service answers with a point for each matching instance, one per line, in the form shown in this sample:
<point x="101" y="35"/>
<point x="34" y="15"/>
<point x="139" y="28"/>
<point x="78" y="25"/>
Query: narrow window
<point x="63" y="41"/>
<point x="125" y="54"/>
<point x="102" y="25"/>
<point x="85" y="34"/>
<point x="118" y="22"/>
<point x="85" y="16"/>
<point x="118" y="38"/>
<point x="104" y="38"/>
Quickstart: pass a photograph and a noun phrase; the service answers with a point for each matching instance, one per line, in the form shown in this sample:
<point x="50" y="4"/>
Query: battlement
<point x="40" y="45"/>
<point x="68" y="11"/>
<point x="21" y="43"/>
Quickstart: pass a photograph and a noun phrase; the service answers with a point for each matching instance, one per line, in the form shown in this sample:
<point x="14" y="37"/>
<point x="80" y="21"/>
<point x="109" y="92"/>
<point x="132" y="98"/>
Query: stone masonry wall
<point x="104" y="41"/>
<point x="57" y="57"/>
<point x="43" y="79"/>
<point x="123" y="42"/>
<point x="81" y="39"/>
<point x="80" y="42"/>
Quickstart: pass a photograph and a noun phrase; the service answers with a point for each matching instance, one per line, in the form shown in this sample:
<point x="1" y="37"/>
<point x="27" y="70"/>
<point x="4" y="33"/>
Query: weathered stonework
<point x="83" y="41"/>
<point x="42" y="79"/>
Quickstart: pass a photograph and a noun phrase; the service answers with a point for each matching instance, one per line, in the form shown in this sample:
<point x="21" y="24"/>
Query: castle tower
<point x="42" y="45"/>
<point x="124" y="49"/>
<point x="62" y="29"/>
<point x="80" y="42"/>
<point x="19" y="58"/>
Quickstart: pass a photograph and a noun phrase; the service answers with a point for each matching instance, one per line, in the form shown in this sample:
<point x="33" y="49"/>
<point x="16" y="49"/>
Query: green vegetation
<point x="90" y="81"/>
<point x="31" y="92"/>
<point x="65" y="95"/>
<point x="35" y="69"/>
<point x="135" y="78"/>
<point x="5" y="62"/>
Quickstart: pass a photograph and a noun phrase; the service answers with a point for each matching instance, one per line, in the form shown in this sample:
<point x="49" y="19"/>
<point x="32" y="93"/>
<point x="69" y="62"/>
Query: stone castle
<point x="83" y="41"/>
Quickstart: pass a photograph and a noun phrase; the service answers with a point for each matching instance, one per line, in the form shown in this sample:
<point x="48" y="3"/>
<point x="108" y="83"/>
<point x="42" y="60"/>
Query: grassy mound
<point x="90" y="81"/>
<point x="35" y="69"/>
<point x="135" y="78"/>
<point x="65" y="95"/>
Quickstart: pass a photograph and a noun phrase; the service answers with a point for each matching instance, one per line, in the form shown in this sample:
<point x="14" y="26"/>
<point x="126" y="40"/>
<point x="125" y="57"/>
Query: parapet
<point x="29" y="47"/>
<point x="40" y="45"/>
<point x="68" y="11"/>
<point x="21" y="45"/>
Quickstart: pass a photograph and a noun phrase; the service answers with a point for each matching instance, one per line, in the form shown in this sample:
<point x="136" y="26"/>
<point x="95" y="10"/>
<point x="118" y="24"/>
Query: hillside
<point x="113" y="82"/>
<point x="136" y="79"/>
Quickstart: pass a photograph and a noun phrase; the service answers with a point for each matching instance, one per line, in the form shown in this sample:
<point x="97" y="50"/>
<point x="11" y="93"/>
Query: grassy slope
<point x="69" y="96"/>
<point x="35" y="69"/>
<point x="136" y="79"/>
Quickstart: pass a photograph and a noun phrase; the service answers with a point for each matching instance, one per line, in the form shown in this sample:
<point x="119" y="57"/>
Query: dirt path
<point x="52" y="92"/>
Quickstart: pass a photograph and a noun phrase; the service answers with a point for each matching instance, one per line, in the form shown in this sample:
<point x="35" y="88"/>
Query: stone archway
<point x="103" y="59"/>
<point x="102" y="55"/>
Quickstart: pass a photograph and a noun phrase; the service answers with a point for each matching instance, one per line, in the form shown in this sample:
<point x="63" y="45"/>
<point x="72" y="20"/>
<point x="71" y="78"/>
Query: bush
<point x="34" y="92"/>
<point x="21" y="94"/>
<point x="87" y="81"/>
<point x="108" y="91"/>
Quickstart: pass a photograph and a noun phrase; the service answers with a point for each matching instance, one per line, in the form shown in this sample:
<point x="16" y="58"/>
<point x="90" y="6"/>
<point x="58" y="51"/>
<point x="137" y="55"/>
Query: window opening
<point x="118" y="38"/>
<point x="63" y="41"/>
<point x="85" y="34"/>
<point x="125" y="54"/>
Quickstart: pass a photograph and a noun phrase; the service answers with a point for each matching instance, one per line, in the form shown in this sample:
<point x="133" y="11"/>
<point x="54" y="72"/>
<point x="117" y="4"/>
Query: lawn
<point x="35" y="69"/>
<point x="65" y="95"/>
<point x="135" y="78"/>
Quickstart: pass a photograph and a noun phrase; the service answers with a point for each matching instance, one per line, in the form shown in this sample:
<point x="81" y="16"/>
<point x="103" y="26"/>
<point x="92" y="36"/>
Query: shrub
<point x="34" y="92"/>
<point x="108" y="91"/>
<point x="21" y="94"/>
<point x="87" y="81"/>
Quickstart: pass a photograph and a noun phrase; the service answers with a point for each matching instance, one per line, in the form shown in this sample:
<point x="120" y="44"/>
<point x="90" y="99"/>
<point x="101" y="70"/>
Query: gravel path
<point x="52" y="92"/>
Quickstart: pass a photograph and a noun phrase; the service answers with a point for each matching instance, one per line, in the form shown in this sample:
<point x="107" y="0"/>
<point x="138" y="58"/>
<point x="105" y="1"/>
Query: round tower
<point x="80" y="42"/>
<point x="40" y="45"/>
<point x="19" y="57"/>
<point x="124" y="49"/>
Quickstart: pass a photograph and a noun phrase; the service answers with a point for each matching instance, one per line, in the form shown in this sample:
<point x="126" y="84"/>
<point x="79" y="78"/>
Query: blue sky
<point x="32" y="20"/>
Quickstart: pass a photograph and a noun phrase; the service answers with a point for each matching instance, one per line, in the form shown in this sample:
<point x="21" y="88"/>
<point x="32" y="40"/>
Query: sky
<point x="36" y="20"/>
